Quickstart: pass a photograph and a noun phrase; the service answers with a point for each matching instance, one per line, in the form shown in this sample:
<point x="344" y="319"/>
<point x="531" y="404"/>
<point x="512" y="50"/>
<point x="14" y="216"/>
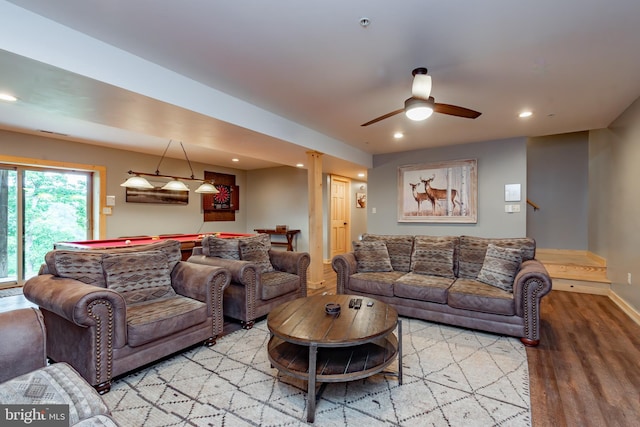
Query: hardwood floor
<point x="586" y="370"/>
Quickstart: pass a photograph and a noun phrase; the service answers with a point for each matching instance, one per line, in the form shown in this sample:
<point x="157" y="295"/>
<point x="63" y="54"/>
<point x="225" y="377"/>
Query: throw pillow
<point x="372" y="256"/>
<point x="85" y="266"/>
<point x="257" y="252"/>
<point x="221" y="248"/>
<point x="138" y="276"/>
<point x="433" y="258"/>
<point x="500" y="267"/>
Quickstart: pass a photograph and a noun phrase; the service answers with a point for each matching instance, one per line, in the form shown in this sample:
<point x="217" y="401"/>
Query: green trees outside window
<point x="55" y="207"/>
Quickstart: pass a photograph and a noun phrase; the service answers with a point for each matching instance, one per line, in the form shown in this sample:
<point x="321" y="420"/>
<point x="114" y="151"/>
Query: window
<point x="39" y="207"/>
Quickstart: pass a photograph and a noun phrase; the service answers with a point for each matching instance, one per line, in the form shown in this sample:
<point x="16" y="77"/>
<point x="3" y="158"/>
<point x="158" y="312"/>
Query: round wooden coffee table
<point x="309" y="344"/>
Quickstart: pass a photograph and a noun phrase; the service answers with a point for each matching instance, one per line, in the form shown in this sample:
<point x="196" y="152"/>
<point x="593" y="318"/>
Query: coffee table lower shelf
<point x="333" y="364"/>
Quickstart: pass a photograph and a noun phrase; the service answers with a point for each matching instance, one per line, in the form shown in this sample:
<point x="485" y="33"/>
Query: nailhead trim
<point x="98" y="343"/>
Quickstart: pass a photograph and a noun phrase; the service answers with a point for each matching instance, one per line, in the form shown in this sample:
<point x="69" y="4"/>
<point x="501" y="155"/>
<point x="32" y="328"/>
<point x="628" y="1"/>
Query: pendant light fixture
<point x="176" y="183"/>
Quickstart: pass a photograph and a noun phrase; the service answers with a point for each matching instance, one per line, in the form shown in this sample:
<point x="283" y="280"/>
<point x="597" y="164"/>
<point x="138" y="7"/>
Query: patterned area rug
<point x="10" y="292"/>
<point x="452" y="377"/>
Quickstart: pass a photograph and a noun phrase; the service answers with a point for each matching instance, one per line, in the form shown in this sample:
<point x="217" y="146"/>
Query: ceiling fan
<point x="420" y="106"/>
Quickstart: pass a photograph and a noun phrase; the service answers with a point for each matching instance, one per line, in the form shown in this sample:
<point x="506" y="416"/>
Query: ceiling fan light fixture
<point x="421" y="87"/>
<point x="136" y="182"/>
<point x="175" y="185"/>
<point x="418" y="109"/>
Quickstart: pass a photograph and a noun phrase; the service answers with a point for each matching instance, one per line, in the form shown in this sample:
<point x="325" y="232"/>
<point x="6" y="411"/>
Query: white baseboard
<point x="624" y="306"/>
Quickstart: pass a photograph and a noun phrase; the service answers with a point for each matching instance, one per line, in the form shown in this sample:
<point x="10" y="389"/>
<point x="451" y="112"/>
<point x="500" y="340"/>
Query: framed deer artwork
<point x="445" y="192"/>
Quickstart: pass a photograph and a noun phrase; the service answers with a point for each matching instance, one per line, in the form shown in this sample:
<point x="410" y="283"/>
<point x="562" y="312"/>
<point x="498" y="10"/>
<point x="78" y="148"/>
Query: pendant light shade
<point x="207" y="188"/>
<point x="136" y="182"/>
<point x="175" y="185"/>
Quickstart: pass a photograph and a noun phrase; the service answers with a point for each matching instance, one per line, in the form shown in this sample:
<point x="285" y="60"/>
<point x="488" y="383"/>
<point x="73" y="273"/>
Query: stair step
<point x="581" y="266"/>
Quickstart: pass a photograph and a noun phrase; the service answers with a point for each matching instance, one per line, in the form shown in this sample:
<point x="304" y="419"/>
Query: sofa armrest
<point x="290" y="262"/>
<point x="84" y="305"/>
<point x="204" y="283"/>
<point x="344" y="265"/>
<point x="22" y="333"/>
<point x="242" y="272"/>
<point x="531" y="283"/>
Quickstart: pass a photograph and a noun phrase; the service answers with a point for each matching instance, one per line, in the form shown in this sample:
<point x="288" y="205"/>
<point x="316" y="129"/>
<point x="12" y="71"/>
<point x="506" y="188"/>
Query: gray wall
<point x="614" y="209"/>
<point x="499" y="162"/>
<point x="278" y="196"/>
<point x="557" y="178"/>
<point x="358" y="215"/>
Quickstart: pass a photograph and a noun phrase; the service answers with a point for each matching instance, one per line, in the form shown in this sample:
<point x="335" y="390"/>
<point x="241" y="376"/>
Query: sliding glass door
<point x="39" y="207"/>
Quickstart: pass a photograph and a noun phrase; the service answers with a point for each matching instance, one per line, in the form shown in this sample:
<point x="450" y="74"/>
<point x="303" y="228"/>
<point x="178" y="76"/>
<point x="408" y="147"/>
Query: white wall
<point x="499" y="162"/>
<point x="557" y="178"/>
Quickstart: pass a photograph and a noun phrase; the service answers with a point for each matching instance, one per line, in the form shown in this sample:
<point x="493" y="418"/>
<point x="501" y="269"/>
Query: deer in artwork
<point x="420" y="197"/>
<point x="436" y="194"/>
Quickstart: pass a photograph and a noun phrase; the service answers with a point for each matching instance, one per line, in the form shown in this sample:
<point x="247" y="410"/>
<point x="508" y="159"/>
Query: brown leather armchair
<point x="109" y="312"/>
<point x="257" y="284"/>
<point x="26" y="379"/>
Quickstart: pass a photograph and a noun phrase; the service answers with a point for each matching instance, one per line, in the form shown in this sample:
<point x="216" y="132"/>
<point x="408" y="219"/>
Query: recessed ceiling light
<point x="7" y="97"/>
<point x="299" y="165"/>
<point x="525" y="114"/>
<point x="235" y="160"/>
<point x="398" y="135"/>
<point x="361" y="175"/>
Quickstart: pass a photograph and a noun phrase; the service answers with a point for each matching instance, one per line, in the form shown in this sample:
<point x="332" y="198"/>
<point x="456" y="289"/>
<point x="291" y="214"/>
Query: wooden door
<point x="340" y="215"/>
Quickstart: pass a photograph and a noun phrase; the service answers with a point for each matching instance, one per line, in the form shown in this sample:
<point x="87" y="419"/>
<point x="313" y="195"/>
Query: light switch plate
<point x="111" y="200"/>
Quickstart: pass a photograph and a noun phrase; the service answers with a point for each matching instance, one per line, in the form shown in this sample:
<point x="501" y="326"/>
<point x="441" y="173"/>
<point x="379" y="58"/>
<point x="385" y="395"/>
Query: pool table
<point x="187" y="241"/>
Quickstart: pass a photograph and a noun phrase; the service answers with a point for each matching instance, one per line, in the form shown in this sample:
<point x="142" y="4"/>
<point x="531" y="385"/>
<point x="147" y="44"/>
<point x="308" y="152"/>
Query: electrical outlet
<point x="628" y="278"/>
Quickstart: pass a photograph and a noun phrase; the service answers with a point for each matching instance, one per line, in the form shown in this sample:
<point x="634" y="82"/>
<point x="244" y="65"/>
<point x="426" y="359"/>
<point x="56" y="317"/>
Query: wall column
<point x="315" y="276"/>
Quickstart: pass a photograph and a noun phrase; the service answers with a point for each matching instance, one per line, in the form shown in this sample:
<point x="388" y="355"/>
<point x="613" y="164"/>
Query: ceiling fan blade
<point x="454" y="110"/>
<point x="386" y="116"/>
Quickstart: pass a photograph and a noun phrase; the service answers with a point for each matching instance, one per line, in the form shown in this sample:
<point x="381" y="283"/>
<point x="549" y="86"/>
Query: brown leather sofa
<point x="109" y="312"/>
<point x="26" y="379"/>
<point x="261" y="280"/>
<point x="451" y="280"/>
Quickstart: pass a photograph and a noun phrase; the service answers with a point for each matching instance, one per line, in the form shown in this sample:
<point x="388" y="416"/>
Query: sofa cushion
<point x="138" y="276"/>
<point x="500" y="267"/>
<point x="277" y="283"/>
<point x="256" y="252"/>
<point x="473" y="249"/>
<point x="433" y="258"/>
<point x="57" y="384"/>
<point x="151" y="320"/>
<point x="398" y="246"/>
<point x="469" y="294"/>
<point x="372" y="257"/>
<point x="422" y="287"/>
<point x="85" y="266"/>
<point x="380" y="283"/>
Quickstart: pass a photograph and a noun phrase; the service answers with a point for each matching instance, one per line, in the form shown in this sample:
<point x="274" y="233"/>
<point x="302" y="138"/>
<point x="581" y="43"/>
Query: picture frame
<point x="361" y="200"/>
<point x="440" y="192"/>
<point x="157" y="195"/>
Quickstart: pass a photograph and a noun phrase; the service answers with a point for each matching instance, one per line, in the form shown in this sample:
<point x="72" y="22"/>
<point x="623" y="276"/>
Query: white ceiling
<point x="266" y="81"/>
